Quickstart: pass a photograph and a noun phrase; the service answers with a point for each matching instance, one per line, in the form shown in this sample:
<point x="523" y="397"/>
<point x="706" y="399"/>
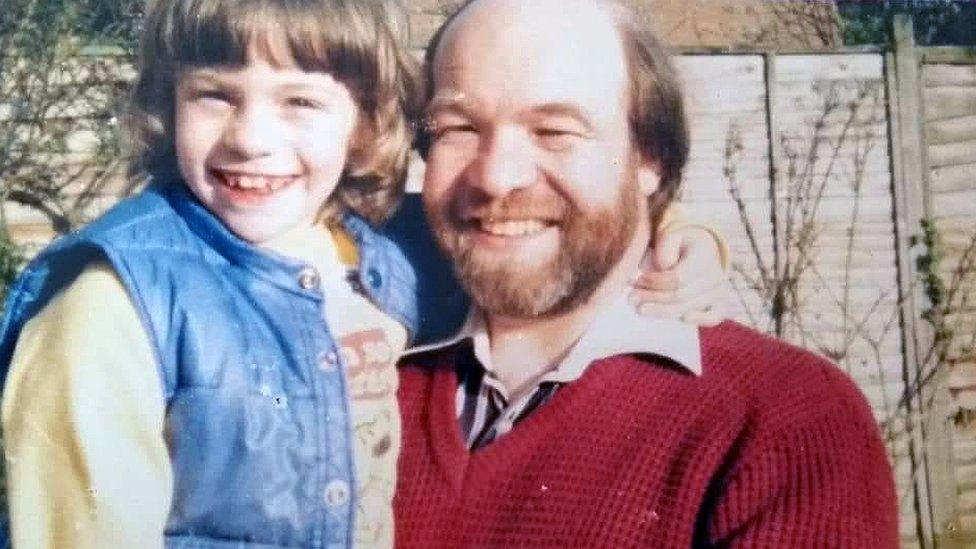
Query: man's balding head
<point x="654" y="99"/>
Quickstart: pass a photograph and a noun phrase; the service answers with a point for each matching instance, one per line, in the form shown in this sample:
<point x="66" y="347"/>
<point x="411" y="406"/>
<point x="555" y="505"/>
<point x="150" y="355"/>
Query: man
<point x="557" y="418"/>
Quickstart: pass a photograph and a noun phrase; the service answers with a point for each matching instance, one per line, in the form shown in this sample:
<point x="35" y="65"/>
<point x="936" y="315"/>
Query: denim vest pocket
<point x="240" y="464"/>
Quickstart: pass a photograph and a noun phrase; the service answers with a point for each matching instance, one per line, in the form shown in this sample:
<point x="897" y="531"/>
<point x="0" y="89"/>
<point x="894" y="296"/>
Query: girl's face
<point x="262" y="147"/>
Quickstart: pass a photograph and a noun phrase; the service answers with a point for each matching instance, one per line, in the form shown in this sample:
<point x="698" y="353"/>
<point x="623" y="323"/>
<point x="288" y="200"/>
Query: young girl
<point x="211" y="363"/>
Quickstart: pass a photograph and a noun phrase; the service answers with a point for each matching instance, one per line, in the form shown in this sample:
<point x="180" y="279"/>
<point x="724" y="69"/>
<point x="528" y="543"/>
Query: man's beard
<point x="590" y="246"/>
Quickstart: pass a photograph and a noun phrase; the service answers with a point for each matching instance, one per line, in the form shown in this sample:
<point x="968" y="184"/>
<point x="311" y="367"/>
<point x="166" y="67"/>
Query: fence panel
<point x="828" y="246"/>
<point x="949" y="91"/>
<point x="729" y="133"/>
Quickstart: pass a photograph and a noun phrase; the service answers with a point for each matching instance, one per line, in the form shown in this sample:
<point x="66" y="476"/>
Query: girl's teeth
<point x="512" y="228"/>
<point x="255" y="182"/>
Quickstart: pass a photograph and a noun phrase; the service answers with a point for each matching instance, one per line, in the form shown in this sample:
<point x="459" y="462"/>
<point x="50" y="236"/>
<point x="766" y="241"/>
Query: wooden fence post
<point x="927" y="417"/>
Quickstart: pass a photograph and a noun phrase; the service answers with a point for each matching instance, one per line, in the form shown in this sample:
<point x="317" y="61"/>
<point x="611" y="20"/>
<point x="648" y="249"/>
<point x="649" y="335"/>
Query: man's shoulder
<point x="737" y="351"/>
<point x="779" y="380"/>
<point x="426" y="360"/>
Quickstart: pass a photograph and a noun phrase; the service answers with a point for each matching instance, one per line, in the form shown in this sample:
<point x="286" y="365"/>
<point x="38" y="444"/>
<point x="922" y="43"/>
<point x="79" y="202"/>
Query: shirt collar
<point x="616" y="329"/>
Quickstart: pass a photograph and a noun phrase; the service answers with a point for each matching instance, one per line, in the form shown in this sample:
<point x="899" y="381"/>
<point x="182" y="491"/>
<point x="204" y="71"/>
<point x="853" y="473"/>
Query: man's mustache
<point x="514" y="206"/>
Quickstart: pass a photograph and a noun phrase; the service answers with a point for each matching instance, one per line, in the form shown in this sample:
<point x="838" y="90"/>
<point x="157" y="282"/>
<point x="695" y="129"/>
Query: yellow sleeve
<point x="83" y="412"/>
<point x="675" y="219"/>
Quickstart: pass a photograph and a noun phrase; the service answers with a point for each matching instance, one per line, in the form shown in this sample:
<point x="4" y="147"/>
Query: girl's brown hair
<point x="358" y="42"/>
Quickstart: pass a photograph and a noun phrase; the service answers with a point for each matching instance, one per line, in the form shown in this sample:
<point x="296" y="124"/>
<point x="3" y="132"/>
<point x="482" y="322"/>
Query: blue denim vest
<point x="257" y="411"/>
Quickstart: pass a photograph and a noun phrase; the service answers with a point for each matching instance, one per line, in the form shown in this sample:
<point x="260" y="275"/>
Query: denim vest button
<point x="308" y="279"/>
<point x="328" y="360"/>
<point x="352" y="277"/>
<point x="336" y="493"/>
<point x="374" y="278"/>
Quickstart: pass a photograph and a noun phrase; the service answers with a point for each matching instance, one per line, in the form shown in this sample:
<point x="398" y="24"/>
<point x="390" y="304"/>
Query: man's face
<point x="532" y="181"/>
<point x="262" y="147"/>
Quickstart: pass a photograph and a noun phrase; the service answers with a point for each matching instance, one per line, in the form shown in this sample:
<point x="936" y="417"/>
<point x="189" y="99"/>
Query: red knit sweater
<point x="770" y="447"/>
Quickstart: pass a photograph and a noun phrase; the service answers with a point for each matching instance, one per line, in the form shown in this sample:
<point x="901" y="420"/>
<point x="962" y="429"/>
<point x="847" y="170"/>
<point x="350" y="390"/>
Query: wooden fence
<point x="821" y="169"/>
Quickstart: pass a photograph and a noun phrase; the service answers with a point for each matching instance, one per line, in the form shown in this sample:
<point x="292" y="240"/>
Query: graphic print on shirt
<point x="370" y="358"/>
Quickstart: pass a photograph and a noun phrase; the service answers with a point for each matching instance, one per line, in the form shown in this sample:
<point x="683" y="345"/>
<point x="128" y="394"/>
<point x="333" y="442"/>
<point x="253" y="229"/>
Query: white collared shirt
<point x="486" y="411"/>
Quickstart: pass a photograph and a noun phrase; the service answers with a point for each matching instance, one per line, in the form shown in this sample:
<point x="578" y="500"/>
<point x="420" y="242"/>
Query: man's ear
<point x="648" y="177"/>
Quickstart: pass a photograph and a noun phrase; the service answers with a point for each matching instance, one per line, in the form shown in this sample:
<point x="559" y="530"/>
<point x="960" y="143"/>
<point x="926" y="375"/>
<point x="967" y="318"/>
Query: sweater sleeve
<point x="83" y="414"/>
<point x="821" y="482"/>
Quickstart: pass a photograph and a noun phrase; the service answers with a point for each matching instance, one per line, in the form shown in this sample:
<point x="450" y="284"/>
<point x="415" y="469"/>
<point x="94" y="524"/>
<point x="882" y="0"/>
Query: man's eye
<point x="450" y="131"/>
<point x="556" y="138"/>
<point x="305" y="103"/>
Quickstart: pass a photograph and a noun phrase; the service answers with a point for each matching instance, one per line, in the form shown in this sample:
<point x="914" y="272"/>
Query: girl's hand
<point x="683" y="277"/>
